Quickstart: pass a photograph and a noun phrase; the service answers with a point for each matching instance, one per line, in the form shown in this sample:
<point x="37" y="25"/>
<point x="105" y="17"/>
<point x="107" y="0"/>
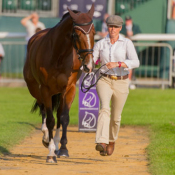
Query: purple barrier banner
<point x="88" y="105"/>
<point x="83" y="6"/>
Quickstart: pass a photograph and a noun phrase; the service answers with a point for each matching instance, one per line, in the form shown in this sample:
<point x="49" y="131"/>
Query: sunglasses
<point x="114" y="26"/>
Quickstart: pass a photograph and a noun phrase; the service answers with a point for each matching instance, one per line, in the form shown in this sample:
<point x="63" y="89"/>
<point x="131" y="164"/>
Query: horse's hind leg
<point x="34" y="90"/>
<point x="45" y="139"/>
<point x="50" y="122"/>
<point x="57" y="133"/>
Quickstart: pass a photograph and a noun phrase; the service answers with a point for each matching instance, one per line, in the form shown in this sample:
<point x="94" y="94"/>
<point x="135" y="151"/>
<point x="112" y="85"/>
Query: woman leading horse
<point x="54" y="58"/>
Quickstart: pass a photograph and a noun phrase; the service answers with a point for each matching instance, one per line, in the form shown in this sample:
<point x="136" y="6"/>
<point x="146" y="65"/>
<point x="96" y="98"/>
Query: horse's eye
<point x="74" y="35"/>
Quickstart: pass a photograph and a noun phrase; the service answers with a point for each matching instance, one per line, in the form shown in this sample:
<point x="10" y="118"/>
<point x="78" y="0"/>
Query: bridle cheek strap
<point x="88" y="51"/>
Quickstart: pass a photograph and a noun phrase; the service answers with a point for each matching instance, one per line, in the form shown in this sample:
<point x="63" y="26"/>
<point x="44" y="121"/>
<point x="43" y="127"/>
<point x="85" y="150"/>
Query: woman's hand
<point x="111" y="65"/>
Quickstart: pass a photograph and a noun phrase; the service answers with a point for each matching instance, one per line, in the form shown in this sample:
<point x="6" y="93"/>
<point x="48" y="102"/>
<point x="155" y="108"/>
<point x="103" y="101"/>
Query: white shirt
<point x="31" y="28"/>
<point x="122" y="50"/>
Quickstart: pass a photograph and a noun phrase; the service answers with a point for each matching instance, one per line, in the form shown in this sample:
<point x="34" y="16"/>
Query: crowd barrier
<point x="157" y="64"/>
<point x="11" y="68"/>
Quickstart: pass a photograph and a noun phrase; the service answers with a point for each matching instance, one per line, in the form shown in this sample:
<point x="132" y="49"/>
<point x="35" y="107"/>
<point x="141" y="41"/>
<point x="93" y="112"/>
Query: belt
<point x="113" y="77"/>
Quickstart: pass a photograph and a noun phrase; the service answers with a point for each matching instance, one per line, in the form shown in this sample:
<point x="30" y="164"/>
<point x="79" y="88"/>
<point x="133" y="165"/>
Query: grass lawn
<point x="154" y="108"/>
<point x="16" y="121"/>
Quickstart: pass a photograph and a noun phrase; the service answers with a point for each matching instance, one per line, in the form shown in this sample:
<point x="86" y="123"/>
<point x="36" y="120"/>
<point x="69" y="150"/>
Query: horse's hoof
<point x="57" y="153"/>
<point x="62" y="153"/>
<point x="45" y="144"/>
<point x="51" y="159"/>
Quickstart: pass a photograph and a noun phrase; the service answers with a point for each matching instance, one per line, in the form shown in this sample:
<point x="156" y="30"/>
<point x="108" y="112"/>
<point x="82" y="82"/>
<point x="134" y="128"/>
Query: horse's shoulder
<point x="38" y="35"/>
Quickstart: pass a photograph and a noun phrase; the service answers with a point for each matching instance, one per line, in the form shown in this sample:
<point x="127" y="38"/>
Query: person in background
<point x="118" y="54"/>
<point x="129" y="29"/>
<point x="2" y="54"/>
<point x="104" y="30"/>
<point x="31" y="23"/>
<point x="173" y="9"/>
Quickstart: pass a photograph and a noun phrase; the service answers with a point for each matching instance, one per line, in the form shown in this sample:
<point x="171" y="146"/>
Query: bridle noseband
<point x="75" y="37"/>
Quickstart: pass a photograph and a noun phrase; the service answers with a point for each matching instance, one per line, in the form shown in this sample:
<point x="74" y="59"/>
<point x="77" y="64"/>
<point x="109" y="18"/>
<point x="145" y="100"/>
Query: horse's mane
<point x="67" y="14"/>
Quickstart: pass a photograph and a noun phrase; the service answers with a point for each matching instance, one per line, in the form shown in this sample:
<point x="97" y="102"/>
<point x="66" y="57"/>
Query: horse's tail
<point x="55" y="104"/>
<point x="55" y="101"/>
<point x="35" y="107"/>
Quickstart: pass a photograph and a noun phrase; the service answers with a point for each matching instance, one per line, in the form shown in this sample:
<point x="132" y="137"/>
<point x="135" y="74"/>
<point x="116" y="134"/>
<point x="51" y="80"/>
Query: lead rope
<point x="86" y="89"/>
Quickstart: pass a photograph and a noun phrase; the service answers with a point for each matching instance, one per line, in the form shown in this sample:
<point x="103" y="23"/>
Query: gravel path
<point x="129" y="158"/>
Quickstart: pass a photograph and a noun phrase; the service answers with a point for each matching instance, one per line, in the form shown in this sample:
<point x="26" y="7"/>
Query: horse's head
<point x="83" y="37"/>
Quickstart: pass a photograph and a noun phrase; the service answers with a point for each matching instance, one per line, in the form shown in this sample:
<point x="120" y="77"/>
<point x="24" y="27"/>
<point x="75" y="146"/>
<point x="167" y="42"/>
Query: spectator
<point x="31" y="23"/>
<point x="2" y="54"/>
<point x="173" y="9"/>
<point x="129" y="29"/>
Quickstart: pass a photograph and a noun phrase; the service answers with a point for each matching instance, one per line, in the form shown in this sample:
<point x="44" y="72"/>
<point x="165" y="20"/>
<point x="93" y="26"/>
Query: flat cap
<point x="114" y="20"/>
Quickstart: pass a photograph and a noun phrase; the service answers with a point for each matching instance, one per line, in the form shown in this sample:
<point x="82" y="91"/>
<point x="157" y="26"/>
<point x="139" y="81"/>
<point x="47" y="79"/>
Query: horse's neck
<point x="61" y="42"/>
<point x="62" y="34"/>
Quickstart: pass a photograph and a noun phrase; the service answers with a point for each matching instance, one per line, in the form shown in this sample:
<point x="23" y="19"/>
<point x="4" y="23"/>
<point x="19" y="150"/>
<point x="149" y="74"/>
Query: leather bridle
<point x="75" y="39"/>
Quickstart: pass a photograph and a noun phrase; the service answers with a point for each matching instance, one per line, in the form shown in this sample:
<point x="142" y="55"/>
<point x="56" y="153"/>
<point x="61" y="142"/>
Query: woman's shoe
<point x="101" y="147"/>
<point x="110" y="148"/>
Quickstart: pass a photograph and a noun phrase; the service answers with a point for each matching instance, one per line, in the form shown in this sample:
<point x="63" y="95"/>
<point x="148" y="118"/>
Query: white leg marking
<point x="45" y="132"/>
<point x="57" y="139"/>
<point x="44" y="127"/>
<point x="51" y="148"/>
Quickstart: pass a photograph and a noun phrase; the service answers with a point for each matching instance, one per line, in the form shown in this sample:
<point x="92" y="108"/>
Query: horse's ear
<point x="72" y="14"/>
<point x="91" y="11"/>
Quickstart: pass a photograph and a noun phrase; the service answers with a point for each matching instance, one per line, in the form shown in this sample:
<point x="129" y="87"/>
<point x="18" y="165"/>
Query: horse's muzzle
<point x="86" y="69"/>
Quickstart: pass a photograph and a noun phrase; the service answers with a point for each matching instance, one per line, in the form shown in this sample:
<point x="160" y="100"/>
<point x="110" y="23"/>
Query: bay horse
<point x="52" y="67"/>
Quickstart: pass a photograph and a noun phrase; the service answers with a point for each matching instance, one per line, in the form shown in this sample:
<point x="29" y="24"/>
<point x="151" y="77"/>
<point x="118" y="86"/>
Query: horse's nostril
<point x="86" y="69"/>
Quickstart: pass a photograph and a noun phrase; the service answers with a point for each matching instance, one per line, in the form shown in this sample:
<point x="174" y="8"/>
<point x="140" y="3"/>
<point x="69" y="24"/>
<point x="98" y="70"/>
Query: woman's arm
<point x="132" y="60"/>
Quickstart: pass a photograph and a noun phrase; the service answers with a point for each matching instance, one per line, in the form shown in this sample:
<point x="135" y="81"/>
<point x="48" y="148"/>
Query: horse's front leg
<point x="63" y="119"/>
<point x="50" y="123"/>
